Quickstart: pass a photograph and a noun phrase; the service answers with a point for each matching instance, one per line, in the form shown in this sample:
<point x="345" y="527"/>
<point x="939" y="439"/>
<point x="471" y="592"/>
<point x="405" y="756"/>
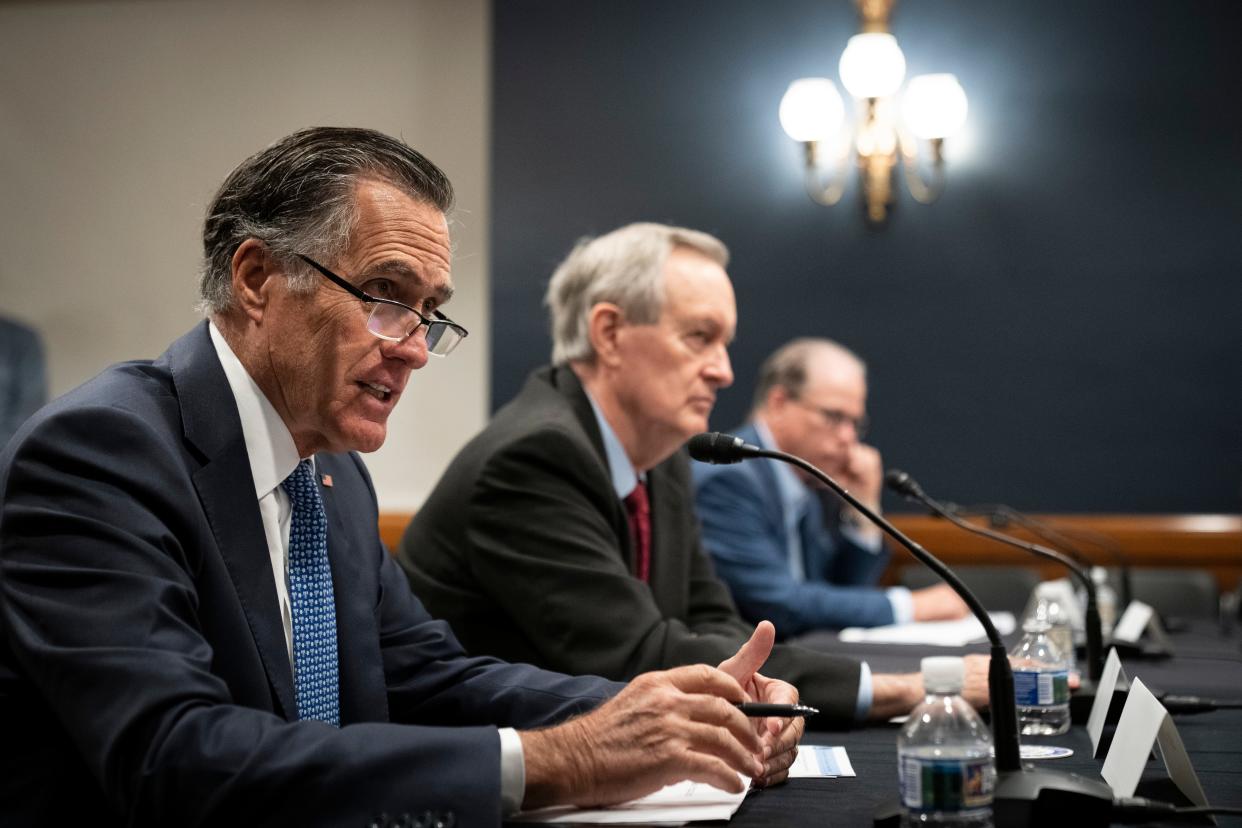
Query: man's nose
<point x="412" y="350"/>
<point x="719" y="371"/>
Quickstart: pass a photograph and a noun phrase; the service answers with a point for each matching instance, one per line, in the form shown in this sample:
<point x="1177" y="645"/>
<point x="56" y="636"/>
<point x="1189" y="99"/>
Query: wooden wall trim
<point x="1211" y="542"/>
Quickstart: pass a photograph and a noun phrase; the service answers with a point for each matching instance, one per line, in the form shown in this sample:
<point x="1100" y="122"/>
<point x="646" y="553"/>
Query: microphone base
<point x="1036" y="797"/>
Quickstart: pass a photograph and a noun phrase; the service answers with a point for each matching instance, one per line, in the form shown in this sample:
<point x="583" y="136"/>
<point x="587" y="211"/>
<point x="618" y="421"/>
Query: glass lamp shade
<point x="872" y="65"/>
<point x="934" y="106"/>
<point x="812" y="109"/>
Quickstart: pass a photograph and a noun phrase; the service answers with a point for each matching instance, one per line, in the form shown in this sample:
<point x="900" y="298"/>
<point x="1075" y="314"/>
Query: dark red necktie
<point x="638" y="507"/>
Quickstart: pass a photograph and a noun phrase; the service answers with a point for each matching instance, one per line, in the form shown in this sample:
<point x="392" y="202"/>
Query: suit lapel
<point x="816" y="546"/>
<point x="226" y="491"/>
<point x="567" y="384"/>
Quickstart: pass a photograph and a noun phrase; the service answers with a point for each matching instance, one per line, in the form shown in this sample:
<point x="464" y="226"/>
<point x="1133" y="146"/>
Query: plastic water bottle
<point x="1048" y="609"/>
<point x="1105" y="600"/>
<point x="944" y="761"/>
<point x="1040" y="682"/>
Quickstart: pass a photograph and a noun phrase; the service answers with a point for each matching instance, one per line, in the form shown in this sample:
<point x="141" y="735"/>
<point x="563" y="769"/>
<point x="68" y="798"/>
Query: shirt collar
<point x="793" y="493"/>
<point x="269" y="445"/>
<point x="624" y="477"/>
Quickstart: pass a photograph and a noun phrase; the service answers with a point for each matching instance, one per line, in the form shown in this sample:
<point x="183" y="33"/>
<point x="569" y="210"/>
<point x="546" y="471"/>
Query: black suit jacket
<point x="525" y="549"/>
<point x="144" y="676"/>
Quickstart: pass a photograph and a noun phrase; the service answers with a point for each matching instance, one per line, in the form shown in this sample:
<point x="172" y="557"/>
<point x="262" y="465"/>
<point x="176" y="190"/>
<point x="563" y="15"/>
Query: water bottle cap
<point x="943" y="674"/>
<point x="1099" y="574"/>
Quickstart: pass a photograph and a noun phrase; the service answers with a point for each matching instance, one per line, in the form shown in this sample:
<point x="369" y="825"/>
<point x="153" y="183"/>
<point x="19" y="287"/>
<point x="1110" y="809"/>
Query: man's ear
<point x="605" y="323"/>
<point x="777" y="400"/>
<point x="252" y="274"/>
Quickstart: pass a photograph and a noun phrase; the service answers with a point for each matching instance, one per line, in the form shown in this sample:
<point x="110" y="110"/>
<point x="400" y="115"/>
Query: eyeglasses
<point x="836" y="418"/>
<point x="394" y="321"/>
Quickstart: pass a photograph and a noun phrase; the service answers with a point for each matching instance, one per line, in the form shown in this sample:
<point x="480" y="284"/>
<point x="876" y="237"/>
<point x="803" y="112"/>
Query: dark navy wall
<point x="1062" y="331"/>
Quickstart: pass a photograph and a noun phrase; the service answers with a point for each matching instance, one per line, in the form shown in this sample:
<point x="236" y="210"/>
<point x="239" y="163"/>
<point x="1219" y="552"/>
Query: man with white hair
<point x="564" y="534"/>
<point x="791" y="551"/>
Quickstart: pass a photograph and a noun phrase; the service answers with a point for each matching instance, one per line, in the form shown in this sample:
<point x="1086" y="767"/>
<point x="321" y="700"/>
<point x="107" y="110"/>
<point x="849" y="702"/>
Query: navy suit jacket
<point x="744" y="530"/>
<point x="144" y="676"/>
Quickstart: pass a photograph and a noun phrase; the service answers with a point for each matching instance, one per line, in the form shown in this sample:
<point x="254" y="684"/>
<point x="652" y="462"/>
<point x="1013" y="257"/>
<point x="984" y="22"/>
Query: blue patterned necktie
<point x="310" y="601"/>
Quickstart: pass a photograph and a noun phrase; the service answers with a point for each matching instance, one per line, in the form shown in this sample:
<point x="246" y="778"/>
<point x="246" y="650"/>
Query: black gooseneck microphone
<point x="1001" y="515"/>
<point x="1024" y="796"/>
<point x="1083" y="698"/>
<point x="906" y="486"/>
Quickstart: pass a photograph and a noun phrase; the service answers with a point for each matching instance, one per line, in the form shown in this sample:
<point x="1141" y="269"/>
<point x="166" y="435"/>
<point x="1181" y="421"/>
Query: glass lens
<point x="442" y="338"/>
<point x="390" y="322"/>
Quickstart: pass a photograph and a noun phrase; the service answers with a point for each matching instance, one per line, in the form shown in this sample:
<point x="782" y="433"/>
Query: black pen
<point x="786" y="710"/>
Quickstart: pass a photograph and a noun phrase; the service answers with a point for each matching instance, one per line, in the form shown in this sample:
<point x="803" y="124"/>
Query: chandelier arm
<point x="924" y="191"/>
<point x="825" y="192"/>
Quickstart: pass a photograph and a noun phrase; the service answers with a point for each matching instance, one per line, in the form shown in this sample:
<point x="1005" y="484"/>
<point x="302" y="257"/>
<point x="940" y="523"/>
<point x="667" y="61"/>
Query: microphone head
<point x="902" y="483"/>
<point x="716" y="447"/>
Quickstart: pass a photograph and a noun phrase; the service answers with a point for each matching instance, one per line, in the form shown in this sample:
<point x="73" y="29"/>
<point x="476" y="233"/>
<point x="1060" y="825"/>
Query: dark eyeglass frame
<point x="837" y="418"/>
<point x="440" y="320"/>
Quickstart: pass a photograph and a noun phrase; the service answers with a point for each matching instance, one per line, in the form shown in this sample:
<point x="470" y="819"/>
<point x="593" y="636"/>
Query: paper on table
<point x="671" y="805"/>
<point x="820" y="761"/>
<point x="942" y="633"/>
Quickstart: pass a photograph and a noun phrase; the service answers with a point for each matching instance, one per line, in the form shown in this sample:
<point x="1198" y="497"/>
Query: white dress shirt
<point x="273" y="457"/>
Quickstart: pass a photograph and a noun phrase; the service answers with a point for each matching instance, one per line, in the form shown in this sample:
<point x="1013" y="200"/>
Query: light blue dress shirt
<point x="625" y="478"/>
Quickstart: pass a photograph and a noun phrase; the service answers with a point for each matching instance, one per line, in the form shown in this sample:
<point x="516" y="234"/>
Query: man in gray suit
<point x="564" y="534"/>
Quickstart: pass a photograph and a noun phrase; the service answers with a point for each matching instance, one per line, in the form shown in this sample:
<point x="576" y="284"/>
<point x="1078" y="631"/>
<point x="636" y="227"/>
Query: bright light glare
<point x="812" y="109"/>
<point x="934" y="106"/>
<point x="872" y="65"/>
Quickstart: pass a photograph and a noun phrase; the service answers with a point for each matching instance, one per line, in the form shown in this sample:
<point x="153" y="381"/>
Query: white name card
<point x="1144" y="723"/>
<point x="1104" y="690"/>
<point x="1129" y="628"/>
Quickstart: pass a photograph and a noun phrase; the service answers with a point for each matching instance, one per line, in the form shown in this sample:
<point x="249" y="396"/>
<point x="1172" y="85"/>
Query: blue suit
<point x="144" y="675"/>
<point x="744" y="529"/>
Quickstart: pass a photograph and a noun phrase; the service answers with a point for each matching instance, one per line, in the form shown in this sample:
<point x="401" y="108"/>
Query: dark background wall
<point x="1060" y="331"/>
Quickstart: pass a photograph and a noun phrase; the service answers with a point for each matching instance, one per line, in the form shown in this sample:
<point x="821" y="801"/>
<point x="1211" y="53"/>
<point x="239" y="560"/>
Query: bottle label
<point x="1038" y="688"/>
<point x="946" y="784"/>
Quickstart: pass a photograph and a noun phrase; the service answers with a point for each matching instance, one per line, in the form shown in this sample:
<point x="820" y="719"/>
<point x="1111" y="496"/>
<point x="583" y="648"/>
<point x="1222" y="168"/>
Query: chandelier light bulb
<point x="934" y="106"/>
<point x="872" y="65"/>
<point x="812" y="109"/>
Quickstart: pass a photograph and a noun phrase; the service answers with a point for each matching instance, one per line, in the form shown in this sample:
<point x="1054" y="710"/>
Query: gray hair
<point x="625" y="267"/>
<point x="297" y="196"/>
<point x="787" y="366"/>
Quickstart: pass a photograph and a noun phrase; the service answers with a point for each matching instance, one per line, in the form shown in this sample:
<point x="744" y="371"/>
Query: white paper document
<point x="671" y="805"/>
<point x="820" y="761"/>
<point x="941" y="633"/>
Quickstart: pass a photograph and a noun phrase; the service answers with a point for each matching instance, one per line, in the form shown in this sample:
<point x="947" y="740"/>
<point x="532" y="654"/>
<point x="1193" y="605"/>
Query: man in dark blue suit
<point x="793" y="552"/>
<point x="198" y="623"/>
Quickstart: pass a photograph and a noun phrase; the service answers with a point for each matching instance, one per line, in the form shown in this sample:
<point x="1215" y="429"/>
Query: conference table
<point x="1206" y="662"/>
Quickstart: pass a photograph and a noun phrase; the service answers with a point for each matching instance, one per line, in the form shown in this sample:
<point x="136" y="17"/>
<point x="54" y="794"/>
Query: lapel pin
<point x="327" y="480"/>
